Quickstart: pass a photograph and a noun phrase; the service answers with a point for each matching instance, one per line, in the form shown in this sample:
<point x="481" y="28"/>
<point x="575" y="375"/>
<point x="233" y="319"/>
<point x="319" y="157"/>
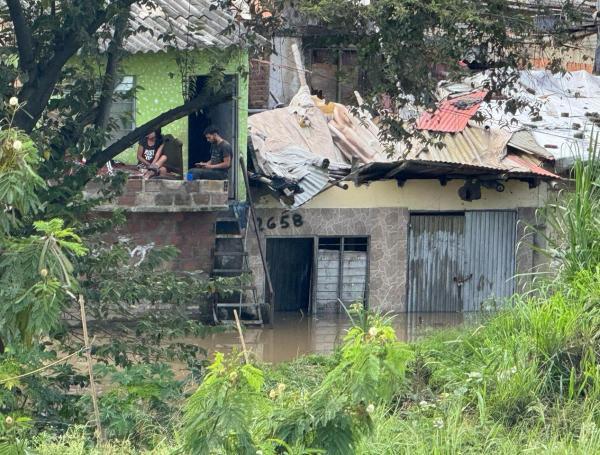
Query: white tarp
<point x="568" y="105"/>
<point x="293" y="143"/>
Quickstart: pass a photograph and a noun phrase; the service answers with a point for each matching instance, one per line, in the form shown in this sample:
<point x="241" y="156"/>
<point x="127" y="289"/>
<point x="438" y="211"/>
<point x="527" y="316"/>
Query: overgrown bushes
<point x="232" y="412"/>
<point x="527" y="379"/>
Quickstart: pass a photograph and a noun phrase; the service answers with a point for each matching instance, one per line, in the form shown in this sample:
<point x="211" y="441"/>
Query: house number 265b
<point x="284" y="222"/>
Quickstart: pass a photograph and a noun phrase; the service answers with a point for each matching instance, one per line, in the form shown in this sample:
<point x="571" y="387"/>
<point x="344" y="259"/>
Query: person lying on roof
<point x="220" y="158"/>
<point x="150" y="155"/>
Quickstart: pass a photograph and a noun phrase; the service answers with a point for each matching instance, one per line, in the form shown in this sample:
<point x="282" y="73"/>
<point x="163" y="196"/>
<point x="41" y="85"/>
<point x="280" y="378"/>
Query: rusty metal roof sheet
<point x="526" y="165"/>
<point x="452" y="115"/>
<point x="473" y="146"/>
<point x="179" y="24"/>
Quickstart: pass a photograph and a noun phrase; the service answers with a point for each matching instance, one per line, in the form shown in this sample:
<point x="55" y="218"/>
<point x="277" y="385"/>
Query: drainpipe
<point x="597" y="53"/>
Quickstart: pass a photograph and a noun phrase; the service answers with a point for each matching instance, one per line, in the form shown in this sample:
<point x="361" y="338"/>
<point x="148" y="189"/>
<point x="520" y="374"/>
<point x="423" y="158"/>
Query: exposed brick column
<point x="258" y="92"/>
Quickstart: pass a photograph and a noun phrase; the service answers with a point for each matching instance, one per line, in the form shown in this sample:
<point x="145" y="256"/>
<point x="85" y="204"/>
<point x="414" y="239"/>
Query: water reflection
<point x="294" y="335"/>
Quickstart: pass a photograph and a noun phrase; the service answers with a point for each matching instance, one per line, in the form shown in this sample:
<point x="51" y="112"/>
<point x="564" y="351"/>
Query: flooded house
<point x="168" y="59"/>
<point x="437" y="226"/>
<point x="432" y="224"/>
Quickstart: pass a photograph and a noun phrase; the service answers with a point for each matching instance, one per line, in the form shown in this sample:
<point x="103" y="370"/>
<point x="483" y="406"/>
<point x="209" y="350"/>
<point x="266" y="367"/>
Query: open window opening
<point x="223" y="116"/>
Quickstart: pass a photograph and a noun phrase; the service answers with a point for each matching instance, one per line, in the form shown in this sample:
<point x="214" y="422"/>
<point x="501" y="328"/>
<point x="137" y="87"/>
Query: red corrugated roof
<point x="452" y="115"/>
<point x="534" y="168"/>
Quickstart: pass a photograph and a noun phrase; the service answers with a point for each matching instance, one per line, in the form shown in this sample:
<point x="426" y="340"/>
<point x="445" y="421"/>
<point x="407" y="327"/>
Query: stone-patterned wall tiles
<point x="385" y="227"/>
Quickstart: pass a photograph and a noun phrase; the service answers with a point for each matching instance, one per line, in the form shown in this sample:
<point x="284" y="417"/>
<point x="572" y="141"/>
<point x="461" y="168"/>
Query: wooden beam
<point x="299" y="65"/>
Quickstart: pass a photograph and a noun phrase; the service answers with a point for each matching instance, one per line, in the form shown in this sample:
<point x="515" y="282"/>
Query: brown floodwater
<point x="293" y="335"/>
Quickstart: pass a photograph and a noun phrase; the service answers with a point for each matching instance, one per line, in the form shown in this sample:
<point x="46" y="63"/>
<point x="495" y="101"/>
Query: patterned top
<point x="149" y="151"/>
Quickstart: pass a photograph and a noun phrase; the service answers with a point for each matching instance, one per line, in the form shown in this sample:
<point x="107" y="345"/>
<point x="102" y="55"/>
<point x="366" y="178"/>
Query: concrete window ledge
<point x="162" y="196"/>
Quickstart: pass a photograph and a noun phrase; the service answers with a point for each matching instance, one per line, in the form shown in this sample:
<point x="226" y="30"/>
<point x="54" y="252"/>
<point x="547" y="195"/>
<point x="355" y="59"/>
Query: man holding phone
<point x="220" y="158"/>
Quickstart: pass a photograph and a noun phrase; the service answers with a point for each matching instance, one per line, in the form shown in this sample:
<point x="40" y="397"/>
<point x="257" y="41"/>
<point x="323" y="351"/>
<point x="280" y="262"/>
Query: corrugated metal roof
<point x="582" y="5"/>
<point x="182" y="24"/>
<point x="452" y="115"/>
<point x="525" y="141"/>
<point x="288" y="141"/>
<point x="520" y="163"/>
<point x="473" y="146"/>
<point x="568" y="107"/>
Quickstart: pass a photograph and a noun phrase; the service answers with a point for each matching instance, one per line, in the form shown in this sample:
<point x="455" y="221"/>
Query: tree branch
<point x="23" y="34"/>
<point x="203" y="100"/>
<point x="112" y="64"/>
<point x="37" y="91"/>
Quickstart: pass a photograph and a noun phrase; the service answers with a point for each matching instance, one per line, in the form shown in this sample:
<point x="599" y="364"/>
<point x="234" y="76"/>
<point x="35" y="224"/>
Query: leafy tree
<point x="405" y="45"/>
<point x="57" y="105"/>
<point x="50" y="52"/>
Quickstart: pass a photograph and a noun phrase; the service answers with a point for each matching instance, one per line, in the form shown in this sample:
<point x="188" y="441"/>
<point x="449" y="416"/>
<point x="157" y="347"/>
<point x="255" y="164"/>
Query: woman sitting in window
<point x="150" y="155"/>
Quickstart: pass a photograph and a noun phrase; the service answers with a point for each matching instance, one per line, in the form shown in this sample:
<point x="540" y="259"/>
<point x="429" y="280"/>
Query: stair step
<point x="239" y="305"/>
<point x="243" y="321"/>
<point x="241" y="271"/>
<point x="249" y="287"/>
<point x="227" y="218"/>
<point x="228" y="236"/>
<point x="230" y="253"/>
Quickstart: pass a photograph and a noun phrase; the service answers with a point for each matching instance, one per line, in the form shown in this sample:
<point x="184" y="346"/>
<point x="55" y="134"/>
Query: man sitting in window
<point x="220" y="158"/>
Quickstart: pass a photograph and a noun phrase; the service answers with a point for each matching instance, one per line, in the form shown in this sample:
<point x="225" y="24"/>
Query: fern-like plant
<point x="219" y="415"/>
<point x="36" y="277"/>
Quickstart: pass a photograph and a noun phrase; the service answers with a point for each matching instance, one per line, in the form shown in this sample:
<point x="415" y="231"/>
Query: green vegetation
<point x="527" y="380"/>
<point x="524" y="380"/>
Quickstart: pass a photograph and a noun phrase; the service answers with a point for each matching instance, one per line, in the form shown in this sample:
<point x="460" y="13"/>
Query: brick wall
<point x="191" y="232"/>
<point x="258" y="92"/>
<point x="158" y="195"/>
<point x="170" y="212"/>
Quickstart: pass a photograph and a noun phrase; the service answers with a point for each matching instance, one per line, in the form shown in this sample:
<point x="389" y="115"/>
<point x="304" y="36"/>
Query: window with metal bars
<point x="342" y="267"/>
<point x="122" y="111"/>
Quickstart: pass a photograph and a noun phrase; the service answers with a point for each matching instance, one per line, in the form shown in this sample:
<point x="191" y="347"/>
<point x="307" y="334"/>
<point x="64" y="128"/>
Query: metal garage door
<point x="435" y="259"/>
<point x="490" y="243"/>
<point x="458" y="261"/>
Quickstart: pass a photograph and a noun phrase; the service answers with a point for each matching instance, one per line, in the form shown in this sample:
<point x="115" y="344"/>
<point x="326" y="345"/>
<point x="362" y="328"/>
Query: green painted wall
<point x="159" y="89"/>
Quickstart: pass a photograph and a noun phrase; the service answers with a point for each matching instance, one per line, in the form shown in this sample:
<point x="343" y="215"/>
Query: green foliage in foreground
<point x="525" y="381"/>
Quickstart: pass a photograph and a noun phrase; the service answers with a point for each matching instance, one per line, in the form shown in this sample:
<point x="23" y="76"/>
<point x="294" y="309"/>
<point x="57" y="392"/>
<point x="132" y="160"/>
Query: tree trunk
<point x="203" y="100"/>
<point x="110" y="74"/>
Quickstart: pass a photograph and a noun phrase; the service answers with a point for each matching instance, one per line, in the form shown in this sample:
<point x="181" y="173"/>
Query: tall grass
<point x="524" y="381"/>
<point x="573" y="234"/>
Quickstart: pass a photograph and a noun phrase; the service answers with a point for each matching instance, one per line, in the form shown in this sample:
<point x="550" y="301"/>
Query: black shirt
<point x="149" y="151"/>
<point x="218" y="152"/>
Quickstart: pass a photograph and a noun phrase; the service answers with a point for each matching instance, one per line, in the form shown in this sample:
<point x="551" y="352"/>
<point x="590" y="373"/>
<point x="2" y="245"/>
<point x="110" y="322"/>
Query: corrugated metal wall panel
<point x="435" y="259"/>
<point x="328" y="276"/>
<point x="490" y="244"/>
